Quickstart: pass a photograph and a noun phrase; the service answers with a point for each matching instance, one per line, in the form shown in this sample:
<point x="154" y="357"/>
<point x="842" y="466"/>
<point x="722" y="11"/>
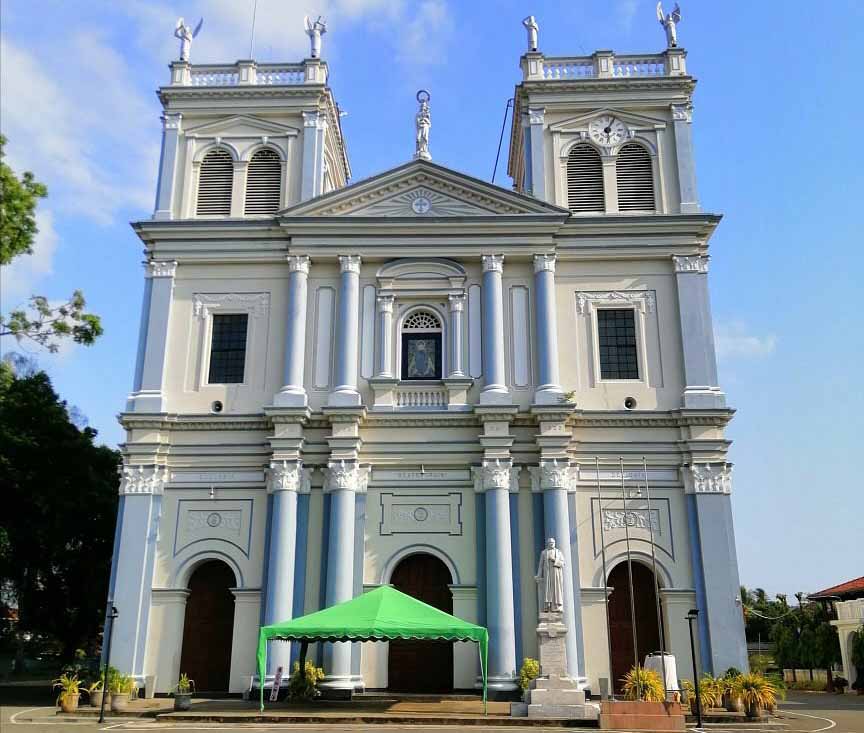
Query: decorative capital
<point x="299" y="263"/>
<point x="172" y="121"/>
<point x="315" y="119"/>
<point x="385" y="303"/>
<point x="682" y="112"/>
<point x="544" y="263"/>
<point x="493" y="263"/>
<point x="496" y="474"/>
<point x="692" y="263"/>
<point x="705" y="478"/>
<point x="288" y="476"/>
<point x="457" y="303"/>
<point x="346" y="476"/>
<point x="141" y="479"/>
<point x="536" y="115"/>
<point x="349" y="263"/>
<point x="160" y="268"/>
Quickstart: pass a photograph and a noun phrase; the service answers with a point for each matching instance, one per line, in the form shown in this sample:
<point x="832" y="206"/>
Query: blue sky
<point x="777" y="111"/>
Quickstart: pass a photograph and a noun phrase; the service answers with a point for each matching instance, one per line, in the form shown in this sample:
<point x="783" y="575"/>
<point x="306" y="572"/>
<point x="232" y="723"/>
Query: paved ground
<point x="802" y="713"/>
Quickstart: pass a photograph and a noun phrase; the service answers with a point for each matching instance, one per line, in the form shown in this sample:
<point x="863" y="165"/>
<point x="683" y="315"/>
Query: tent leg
<point x="304" y="647"/>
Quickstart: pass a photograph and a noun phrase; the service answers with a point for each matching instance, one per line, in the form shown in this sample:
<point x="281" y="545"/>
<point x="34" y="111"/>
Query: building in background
<point x="847" y="600"/>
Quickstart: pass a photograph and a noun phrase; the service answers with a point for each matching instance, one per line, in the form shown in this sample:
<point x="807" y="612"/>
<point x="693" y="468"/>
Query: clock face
<point x="608" y="130"/>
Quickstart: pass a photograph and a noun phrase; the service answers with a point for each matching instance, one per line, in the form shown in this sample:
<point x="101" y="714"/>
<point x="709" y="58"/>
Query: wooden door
<point x="620" y="618"/>
<point x="422" y="666"/>
<point x="209" y="627"/>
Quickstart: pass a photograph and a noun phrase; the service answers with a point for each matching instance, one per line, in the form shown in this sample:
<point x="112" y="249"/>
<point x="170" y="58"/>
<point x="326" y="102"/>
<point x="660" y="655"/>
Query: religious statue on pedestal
<point x="423" y="120"/>
<point x="670" y="23"/>
<point x="532" y="28"/>
<point x="186" y="34"/>
<point x="315" y="29"/>
<point x="550" y="577"/>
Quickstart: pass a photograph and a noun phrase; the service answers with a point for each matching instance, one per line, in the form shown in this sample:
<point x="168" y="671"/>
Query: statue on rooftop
<point x="423" y="121"/>
<point x="186" y="34"/>
<point x="531" y="26"/>
<point x="670" y="23"/>
<point x="315" y="30"/>
<point x="550" y="577"/>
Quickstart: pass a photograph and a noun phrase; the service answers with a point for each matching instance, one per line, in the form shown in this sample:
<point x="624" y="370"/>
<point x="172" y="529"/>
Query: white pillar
<point x="495" y="387"/>
<point x="247" y="610"/>
<point x="457" y="308"/>
<point x="312" y="176"/>
<point x="293" y="392"/>
<point x="385" y="337"/>
<point x="347" y="334"/>
<point x="536" y="121"/>
<point x="466" y="658"/>
<point x="168" y="614"/>
<point x="546" y="327"/>
<point x="171" y="126"/>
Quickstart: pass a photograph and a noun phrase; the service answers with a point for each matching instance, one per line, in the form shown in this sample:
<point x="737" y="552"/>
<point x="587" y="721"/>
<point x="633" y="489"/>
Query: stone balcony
<point x="248" y="73"/>
<point x="603" y="65"/>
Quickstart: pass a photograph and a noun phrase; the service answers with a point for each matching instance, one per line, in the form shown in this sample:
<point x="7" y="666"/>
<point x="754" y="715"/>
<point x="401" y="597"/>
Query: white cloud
<point x="424" y="37"/>
<point x="627" y="13"/>
<point x="735" y="341"/>
<point x="18" y="278"/>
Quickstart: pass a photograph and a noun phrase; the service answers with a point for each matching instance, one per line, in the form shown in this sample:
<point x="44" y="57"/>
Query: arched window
<point x="215" y="181"/>
<point x="635" y="178"/>
<point x="421" y="346"/>
<point x="585" y="180"/>
<point x="264" y="183"/>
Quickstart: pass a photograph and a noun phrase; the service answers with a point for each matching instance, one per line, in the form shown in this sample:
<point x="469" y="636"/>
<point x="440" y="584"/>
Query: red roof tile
<point x="853" y="588"/>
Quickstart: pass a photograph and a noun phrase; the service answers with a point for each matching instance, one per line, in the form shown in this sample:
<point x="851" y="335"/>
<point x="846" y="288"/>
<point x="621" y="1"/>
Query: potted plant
<point x="530" y="670"/>
<point x="643" y="684"/>
<point x="95" y="691"/>
<point x="183" y="693"/>
<point x="304" y="687"/>
<point x="69" y="686"/>
<point x="711" y="691"/>
<point x="728" y="682"/>
<point x="756" y="692"/>
<point x="840" y="685"/>
<point x="121" y="687"/>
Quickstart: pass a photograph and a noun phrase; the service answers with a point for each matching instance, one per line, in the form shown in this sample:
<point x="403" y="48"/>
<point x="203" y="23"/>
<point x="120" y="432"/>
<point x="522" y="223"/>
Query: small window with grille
<point x="215" y="184"/>
<point x="421" y="346"/>
<point x="585" y="180"/>
<point x="616" y="338"/>
<point x="228" y="348"/>
<point x="635" y="177"/>
<point x="263" y="183"/>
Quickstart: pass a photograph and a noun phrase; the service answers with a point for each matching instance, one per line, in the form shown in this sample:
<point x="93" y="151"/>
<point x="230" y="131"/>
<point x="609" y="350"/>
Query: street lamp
<point x="691" y="616"/>
<point x="110" y="624"/>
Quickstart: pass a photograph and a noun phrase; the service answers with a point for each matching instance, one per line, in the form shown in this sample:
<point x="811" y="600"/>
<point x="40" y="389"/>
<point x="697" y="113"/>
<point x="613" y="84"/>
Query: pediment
<point x="574" y="124"/>
<point x="241" y="126"/>
<point x="421" y="189"/>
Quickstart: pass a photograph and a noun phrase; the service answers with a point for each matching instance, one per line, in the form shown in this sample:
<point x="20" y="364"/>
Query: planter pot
<point x="69" y="703"/>
<point x="752" y="710"/>
<point x="733" y="704"/>
<point x="182" y="701"/>
<point x="119" y="703"/>
<point x="96" y="699"/>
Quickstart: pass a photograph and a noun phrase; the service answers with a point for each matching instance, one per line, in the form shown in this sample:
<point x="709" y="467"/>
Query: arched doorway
<point x="620" y="623"/>
<point x="209" y="627"/>
<point x="422" y="666"/>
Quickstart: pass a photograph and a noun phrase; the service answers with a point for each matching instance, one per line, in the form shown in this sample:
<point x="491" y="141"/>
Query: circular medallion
<point x="421" y="205"/>
<point x="214" y="519"/>
<point x="421" y="514"/>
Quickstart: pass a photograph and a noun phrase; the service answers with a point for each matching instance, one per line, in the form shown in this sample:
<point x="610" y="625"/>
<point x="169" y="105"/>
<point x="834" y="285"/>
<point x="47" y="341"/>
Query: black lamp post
<point x="691" y="616"/>
<point x="109" y="619"/>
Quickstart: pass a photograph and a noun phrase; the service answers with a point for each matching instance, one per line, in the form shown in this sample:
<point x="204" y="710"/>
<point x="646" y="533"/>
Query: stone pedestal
<point x="553" y="694"/>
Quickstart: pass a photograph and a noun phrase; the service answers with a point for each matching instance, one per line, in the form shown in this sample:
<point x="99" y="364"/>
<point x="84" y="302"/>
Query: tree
<point x="59" y="510"/>
<point x="44" y="322"/>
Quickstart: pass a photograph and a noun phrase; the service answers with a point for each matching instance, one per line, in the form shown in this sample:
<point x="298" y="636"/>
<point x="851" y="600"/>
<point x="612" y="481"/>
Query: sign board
<point x="277" y="683"/>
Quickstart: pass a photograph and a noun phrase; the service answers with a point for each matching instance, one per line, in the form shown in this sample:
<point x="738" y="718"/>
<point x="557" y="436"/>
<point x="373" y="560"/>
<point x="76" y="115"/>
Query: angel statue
<point x="531" y="26"/>
<point x="670" y="23"/>
<point x="315" y="30"/>
<point x="423" y="121"/>
<point x="186" y="34"/>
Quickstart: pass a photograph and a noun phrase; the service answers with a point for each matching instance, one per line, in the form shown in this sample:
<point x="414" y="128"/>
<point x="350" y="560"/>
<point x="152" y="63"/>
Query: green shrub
<point x="643" y="684"/>
<point x="530" y="670"/>
<point x="304" y="687"/>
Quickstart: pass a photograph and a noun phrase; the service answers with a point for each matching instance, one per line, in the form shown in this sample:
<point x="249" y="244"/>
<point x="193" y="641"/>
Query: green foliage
<point x="46" y="324"/>
<point x="711" y="691"/>
<point x="304" y="687"/>
<point x="689" y="691"/>
<point x="810" y="685"/>
<point x="18" y="199"/>
<point x="759" y="663"/>
<point x="59" y="510"/>
<point x="756" y="691"/>
<point x="185" y="685"/>
<point x="69" y="686"/>
<point x="643" y="684"/>
<point x="529" y="671"/>
<point x="121" y="684"/>
<point x="856" y="640"/>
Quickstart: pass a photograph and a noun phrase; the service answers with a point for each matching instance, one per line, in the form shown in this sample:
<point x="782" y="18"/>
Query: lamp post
<point x="691" y="616"/>
<point x="110" y="623"/>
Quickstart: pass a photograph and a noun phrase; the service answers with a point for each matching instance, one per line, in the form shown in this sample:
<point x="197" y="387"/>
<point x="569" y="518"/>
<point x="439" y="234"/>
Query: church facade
<point x="417" y="378"/>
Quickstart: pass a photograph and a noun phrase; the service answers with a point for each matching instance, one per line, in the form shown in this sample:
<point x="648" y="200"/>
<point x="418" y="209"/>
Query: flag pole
<point x="630" y="581"/>
<point x="656" y="580"/>
<point x="605" y="579"/>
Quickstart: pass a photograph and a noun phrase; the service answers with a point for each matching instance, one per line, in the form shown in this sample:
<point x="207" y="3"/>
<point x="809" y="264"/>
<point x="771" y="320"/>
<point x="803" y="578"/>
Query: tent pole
<point x="304" y="647"/>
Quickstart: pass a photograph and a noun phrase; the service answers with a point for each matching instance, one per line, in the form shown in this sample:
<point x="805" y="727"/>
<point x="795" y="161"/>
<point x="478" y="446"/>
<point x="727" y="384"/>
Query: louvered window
<point x="635" y="179"/>
<point x="585" y="180"/>
<point x="214" y="184"/>
<point x="263" y="183"/>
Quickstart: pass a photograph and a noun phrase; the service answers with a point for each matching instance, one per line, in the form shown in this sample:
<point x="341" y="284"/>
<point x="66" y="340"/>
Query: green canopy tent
<point x="379" y="615"/>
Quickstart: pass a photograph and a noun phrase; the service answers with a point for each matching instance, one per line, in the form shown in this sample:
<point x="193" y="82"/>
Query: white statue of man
<point x="670" y="23"/>
<point x="423" y="120"/>
<point x="315" y="30"/>
<point x="531" y="26"/>
<point x="550" y="576"/>
<point x="186" y="34"/>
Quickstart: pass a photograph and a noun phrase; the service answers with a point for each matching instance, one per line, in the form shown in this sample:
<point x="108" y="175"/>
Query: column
<point x="495" y="482"/>
<point x="293" y="392"/>
<point x="168" y="614"/>
<point x="344" y="479"/>
<point x="457" y="308"/>
<point x="682" y="129"/>
<point x="546" y="327"/>
<point x="536" y="121"/>
<point x="247" y="612"/>
<point x="675" y="604"/>
<point x="285" y="479"/>
<point x="701" y="389"/>
<point x="347" y="331"/>
<point x="466" y="666"/>
<point x="495" y="388"/>
<point x="138" y="514"/>
<point x="312" y="180"/>
<point x="153" y="338"/>
<point x="385" y="337"/>
<point x="171" y="126"/>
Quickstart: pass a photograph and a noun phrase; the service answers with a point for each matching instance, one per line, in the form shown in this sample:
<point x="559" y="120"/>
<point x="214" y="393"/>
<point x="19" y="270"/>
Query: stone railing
<point x="248" y="73"/>
<point x="850" y="610"/>
<point x="603" y="65"/>
<point x="421" y="397"/>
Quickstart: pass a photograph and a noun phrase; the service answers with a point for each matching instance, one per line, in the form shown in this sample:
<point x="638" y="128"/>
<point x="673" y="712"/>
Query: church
<point x="419" y="377"/>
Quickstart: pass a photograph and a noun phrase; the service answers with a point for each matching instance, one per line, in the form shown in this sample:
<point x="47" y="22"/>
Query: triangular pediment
<point x="421" y="189"/>
<point x="632" y="119"/>
<point x="240" y="126"/>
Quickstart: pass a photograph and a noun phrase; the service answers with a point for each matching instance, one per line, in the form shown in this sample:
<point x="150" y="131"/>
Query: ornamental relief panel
<point x="213" y="520"/>
<point x="421" y="514"/>
<point x="614" y="522"/>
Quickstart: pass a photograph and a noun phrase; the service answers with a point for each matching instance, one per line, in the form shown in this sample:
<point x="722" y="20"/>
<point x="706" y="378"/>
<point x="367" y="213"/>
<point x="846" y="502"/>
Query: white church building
<point x="415" y="378"/>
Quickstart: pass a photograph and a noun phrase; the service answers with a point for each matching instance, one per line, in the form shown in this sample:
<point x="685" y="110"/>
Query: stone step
<point x="556" y="697"/>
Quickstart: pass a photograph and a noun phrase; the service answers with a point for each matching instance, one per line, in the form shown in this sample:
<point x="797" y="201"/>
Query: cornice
<point x="173" y="421"/>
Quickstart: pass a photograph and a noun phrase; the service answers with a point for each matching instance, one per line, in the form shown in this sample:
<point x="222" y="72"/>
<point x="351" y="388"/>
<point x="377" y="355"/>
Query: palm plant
<point x="70" y="689"/>
<point x="711" y="691"/>
<point x="643" y="684"/>
<point x="756" y="692"/>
